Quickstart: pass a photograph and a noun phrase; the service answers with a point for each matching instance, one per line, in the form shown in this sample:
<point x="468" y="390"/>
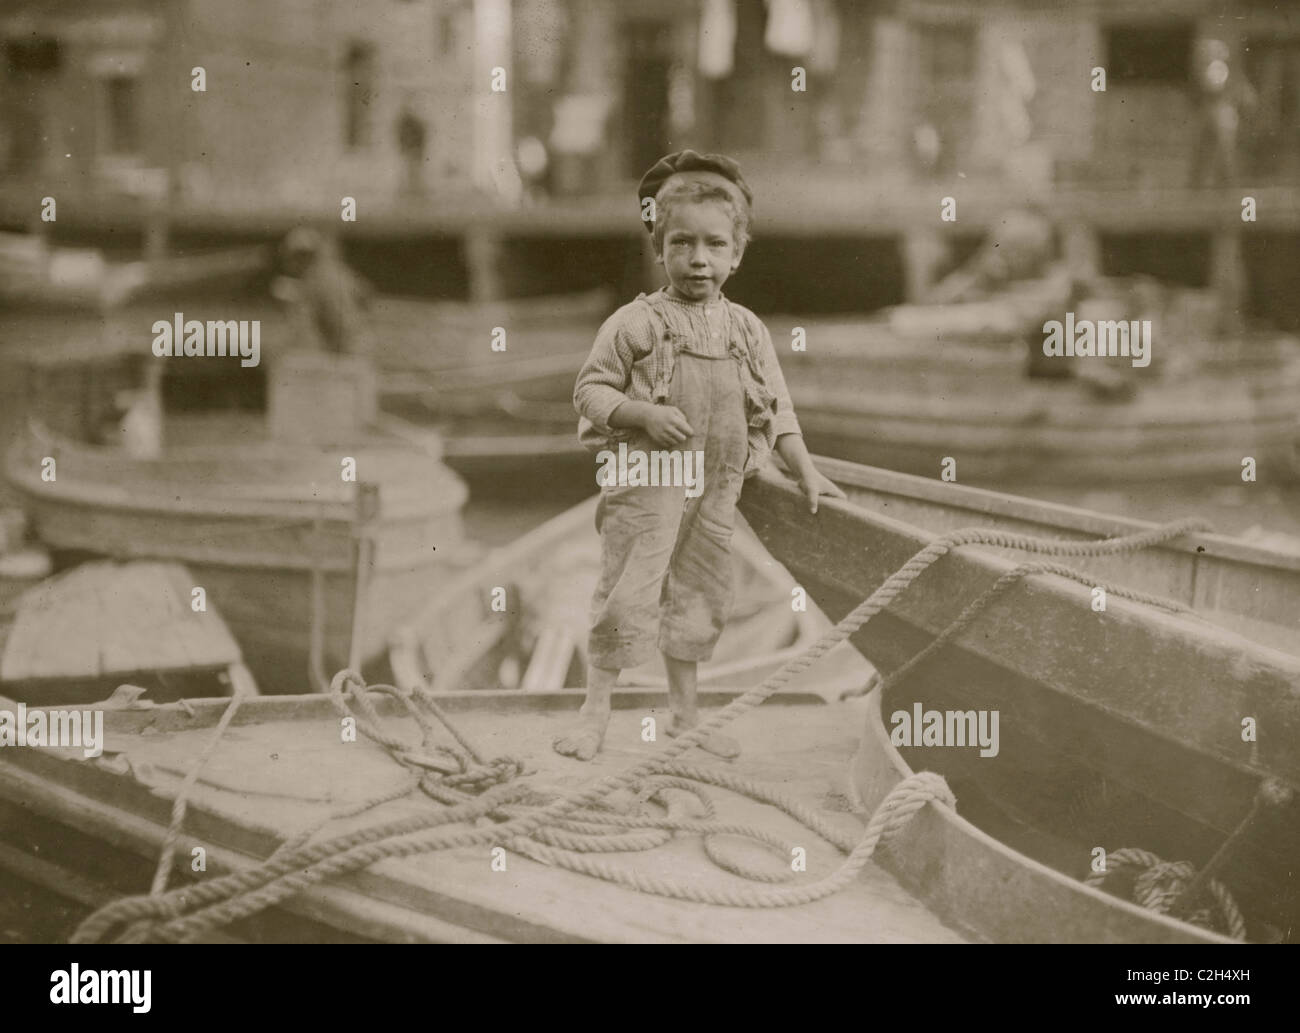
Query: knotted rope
<point x="1157" y="885"/>
<point x="1177" y="888"/>
<point x="297" y="866"/>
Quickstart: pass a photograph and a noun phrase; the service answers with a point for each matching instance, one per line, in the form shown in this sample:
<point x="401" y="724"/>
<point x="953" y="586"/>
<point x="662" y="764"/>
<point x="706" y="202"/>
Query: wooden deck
<point x="281" y="767"/>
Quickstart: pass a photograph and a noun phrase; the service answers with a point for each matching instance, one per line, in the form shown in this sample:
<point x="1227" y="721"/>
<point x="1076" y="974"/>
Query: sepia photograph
<point x="650" y="471"/>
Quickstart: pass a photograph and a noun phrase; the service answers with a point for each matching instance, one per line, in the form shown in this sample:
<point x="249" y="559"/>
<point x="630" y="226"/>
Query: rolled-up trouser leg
<point x="698" y="591"/>
<point x="638" y="529"/>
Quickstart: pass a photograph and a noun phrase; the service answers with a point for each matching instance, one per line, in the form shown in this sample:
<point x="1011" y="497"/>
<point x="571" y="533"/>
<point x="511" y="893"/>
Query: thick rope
<point x="288" y="872"/>
<point x="181" y="801"/>
<point x="1157" y="885"/>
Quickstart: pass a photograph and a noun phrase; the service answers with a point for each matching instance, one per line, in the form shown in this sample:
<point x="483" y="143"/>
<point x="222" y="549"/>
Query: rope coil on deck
<point x="540" y="831"/>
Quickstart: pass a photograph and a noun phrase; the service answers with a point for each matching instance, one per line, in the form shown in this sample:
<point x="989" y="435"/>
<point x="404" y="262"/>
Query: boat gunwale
<point x="398" y="504"/>
<point x="351" y="902"/>
<point x="1228" y="649"/>
<point x="876" y="738"/>
<point x="984" y="501"/>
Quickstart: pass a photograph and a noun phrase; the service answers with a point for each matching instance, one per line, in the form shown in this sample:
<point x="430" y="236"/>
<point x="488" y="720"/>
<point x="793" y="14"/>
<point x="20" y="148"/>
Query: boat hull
<point x="916" y="405"/>
<point x="1132" y="704"/>
<point x="269" y="534"/>
<point x="984" y="887"/>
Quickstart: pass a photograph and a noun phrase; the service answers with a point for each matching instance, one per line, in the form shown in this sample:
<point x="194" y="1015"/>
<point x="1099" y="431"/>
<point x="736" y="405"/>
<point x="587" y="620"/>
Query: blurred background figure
<point x="534" y="168"/>
<point x="411" y="140"/>
<point x="1223" y="95"/>
<point x="329" y="302"/>
<point x="1020" y="248"/>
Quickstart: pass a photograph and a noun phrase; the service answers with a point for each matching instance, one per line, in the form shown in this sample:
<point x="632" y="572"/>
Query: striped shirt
<point x="633" y="356"/>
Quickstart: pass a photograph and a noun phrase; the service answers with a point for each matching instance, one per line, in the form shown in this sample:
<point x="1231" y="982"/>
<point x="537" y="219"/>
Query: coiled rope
<point x="1158" y="885"/>
<point x="188" y="914"/>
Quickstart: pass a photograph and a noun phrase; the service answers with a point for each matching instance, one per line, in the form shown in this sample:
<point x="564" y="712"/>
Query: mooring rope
<point x="187" y="914"/>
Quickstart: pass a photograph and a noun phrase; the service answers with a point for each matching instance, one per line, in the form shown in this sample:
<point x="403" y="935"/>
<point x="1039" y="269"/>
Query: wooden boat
<point x="76" y="636"/>
<point x="415" y="334"/>
<point x="1121" y="728"/>
<point x="507" y="426"/>
<point x="536" y="639"/>
<point x="34" y="275"/>
<point x="498" y="456"/>
<point x="1248" y="588"/>
<point x="269" y="528"/>
<point x="91" y="830"/>
<point x="865" y="395"/>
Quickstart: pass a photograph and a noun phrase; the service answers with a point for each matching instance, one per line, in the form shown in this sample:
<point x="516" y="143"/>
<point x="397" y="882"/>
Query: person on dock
<point x="330" y="302"/>
<point x="682" y="372"/>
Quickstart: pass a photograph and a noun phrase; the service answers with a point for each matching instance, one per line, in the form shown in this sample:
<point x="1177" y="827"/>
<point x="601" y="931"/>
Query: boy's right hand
<point x="666" y="425"/>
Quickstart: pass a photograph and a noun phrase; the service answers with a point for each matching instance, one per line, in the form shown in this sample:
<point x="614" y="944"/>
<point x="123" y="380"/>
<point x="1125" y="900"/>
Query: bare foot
<point x="582" y="741"/>
<point x="719" y="745"/>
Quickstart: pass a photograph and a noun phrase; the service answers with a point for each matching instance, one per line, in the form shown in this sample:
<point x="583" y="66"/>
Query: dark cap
<point x="716" y="169"/>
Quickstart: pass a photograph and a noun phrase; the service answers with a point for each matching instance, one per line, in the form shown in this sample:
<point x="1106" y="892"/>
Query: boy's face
<point x="699" y="250"/>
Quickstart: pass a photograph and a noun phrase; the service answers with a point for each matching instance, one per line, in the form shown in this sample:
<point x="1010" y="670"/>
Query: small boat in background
<point x="507" y="426"/>
<point x="1120" y="728"/>
<point x="915" y="402"/>
<point x="519" y="620"/>
<point x="76" y="636"/>
<point x="36" y="274"/>
<point x="1190" y="418"/>
<point x="314" y="530"/>
<point x="414" y="334"/>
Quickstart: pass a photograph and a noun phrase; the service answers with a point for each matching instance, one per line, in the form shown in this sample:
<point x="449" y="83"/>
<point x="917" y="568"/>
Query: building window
<point x="27" y="64"/>
<point x="358" y="95"/>
<point x="1149" y="52"/>
<point x="31" y="55"/>
<point x="121" y="115"/>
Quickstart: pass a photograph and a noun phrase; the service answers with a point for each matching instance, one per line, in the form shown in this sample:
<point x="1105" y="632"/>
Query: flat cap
<point x="716" y="169"/>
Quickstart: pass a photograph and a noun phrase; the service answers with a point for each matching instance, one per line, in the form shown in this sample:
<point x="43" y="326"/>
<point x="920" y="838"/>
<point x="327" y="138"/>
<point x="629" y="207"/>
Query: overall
<point x="665" y="557"/>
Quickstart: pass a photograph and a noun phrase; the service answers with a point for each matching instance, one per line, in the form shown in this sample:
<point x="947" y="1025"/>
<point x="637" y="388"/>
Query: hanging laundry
<point x="1016" y="89"/>
<point x="825" y="53"/>
<point x="789" y="27"/>
<point x="717" y="48"/>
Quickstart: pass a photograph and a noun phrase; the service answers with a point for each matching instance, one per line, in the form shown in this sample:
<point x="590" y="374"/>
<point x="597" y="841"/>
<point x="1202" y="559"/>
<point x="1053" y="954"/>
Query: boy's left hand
<point x="813" y="484"/>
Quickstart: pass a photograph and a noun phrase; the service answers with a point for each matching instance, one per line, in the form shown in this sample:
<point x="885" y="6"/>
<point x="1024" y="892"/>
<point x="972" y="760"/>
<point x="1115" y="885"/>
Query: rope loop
<point x="1144" y="878"/>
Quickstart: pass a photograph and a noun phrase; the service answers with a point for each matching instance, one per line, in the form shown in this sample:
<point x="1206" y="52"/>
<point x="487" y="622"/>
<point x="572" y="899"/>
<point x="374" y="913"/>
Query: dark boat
<point x="1136" y="726"/>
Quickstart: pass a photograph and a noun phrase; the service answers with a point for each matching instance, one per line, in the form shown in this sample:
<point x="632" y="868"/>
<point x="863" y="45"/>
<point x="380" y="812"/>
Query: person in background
<point x="411" y="141"/>
<point x="330" y="302"/>
<point x="1222" y="94"/>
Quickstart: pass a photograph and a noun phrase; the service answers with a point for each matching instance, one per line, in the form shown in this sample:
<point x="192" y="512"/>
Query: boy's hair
<point x="694" y="192"/>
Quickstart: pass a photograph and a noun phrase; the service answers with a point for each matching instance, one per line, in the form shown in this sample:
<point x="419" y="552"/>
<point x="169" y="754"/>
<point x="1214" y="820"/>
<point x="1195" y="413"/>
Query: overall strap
<point x="663" y="355"/>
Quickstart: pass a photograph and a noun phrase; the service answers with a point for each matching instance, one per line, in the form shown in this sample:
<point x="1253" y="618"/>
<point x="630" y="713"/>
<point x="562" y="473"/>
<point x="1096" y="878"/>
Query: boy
<point x="686" y="370"/>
